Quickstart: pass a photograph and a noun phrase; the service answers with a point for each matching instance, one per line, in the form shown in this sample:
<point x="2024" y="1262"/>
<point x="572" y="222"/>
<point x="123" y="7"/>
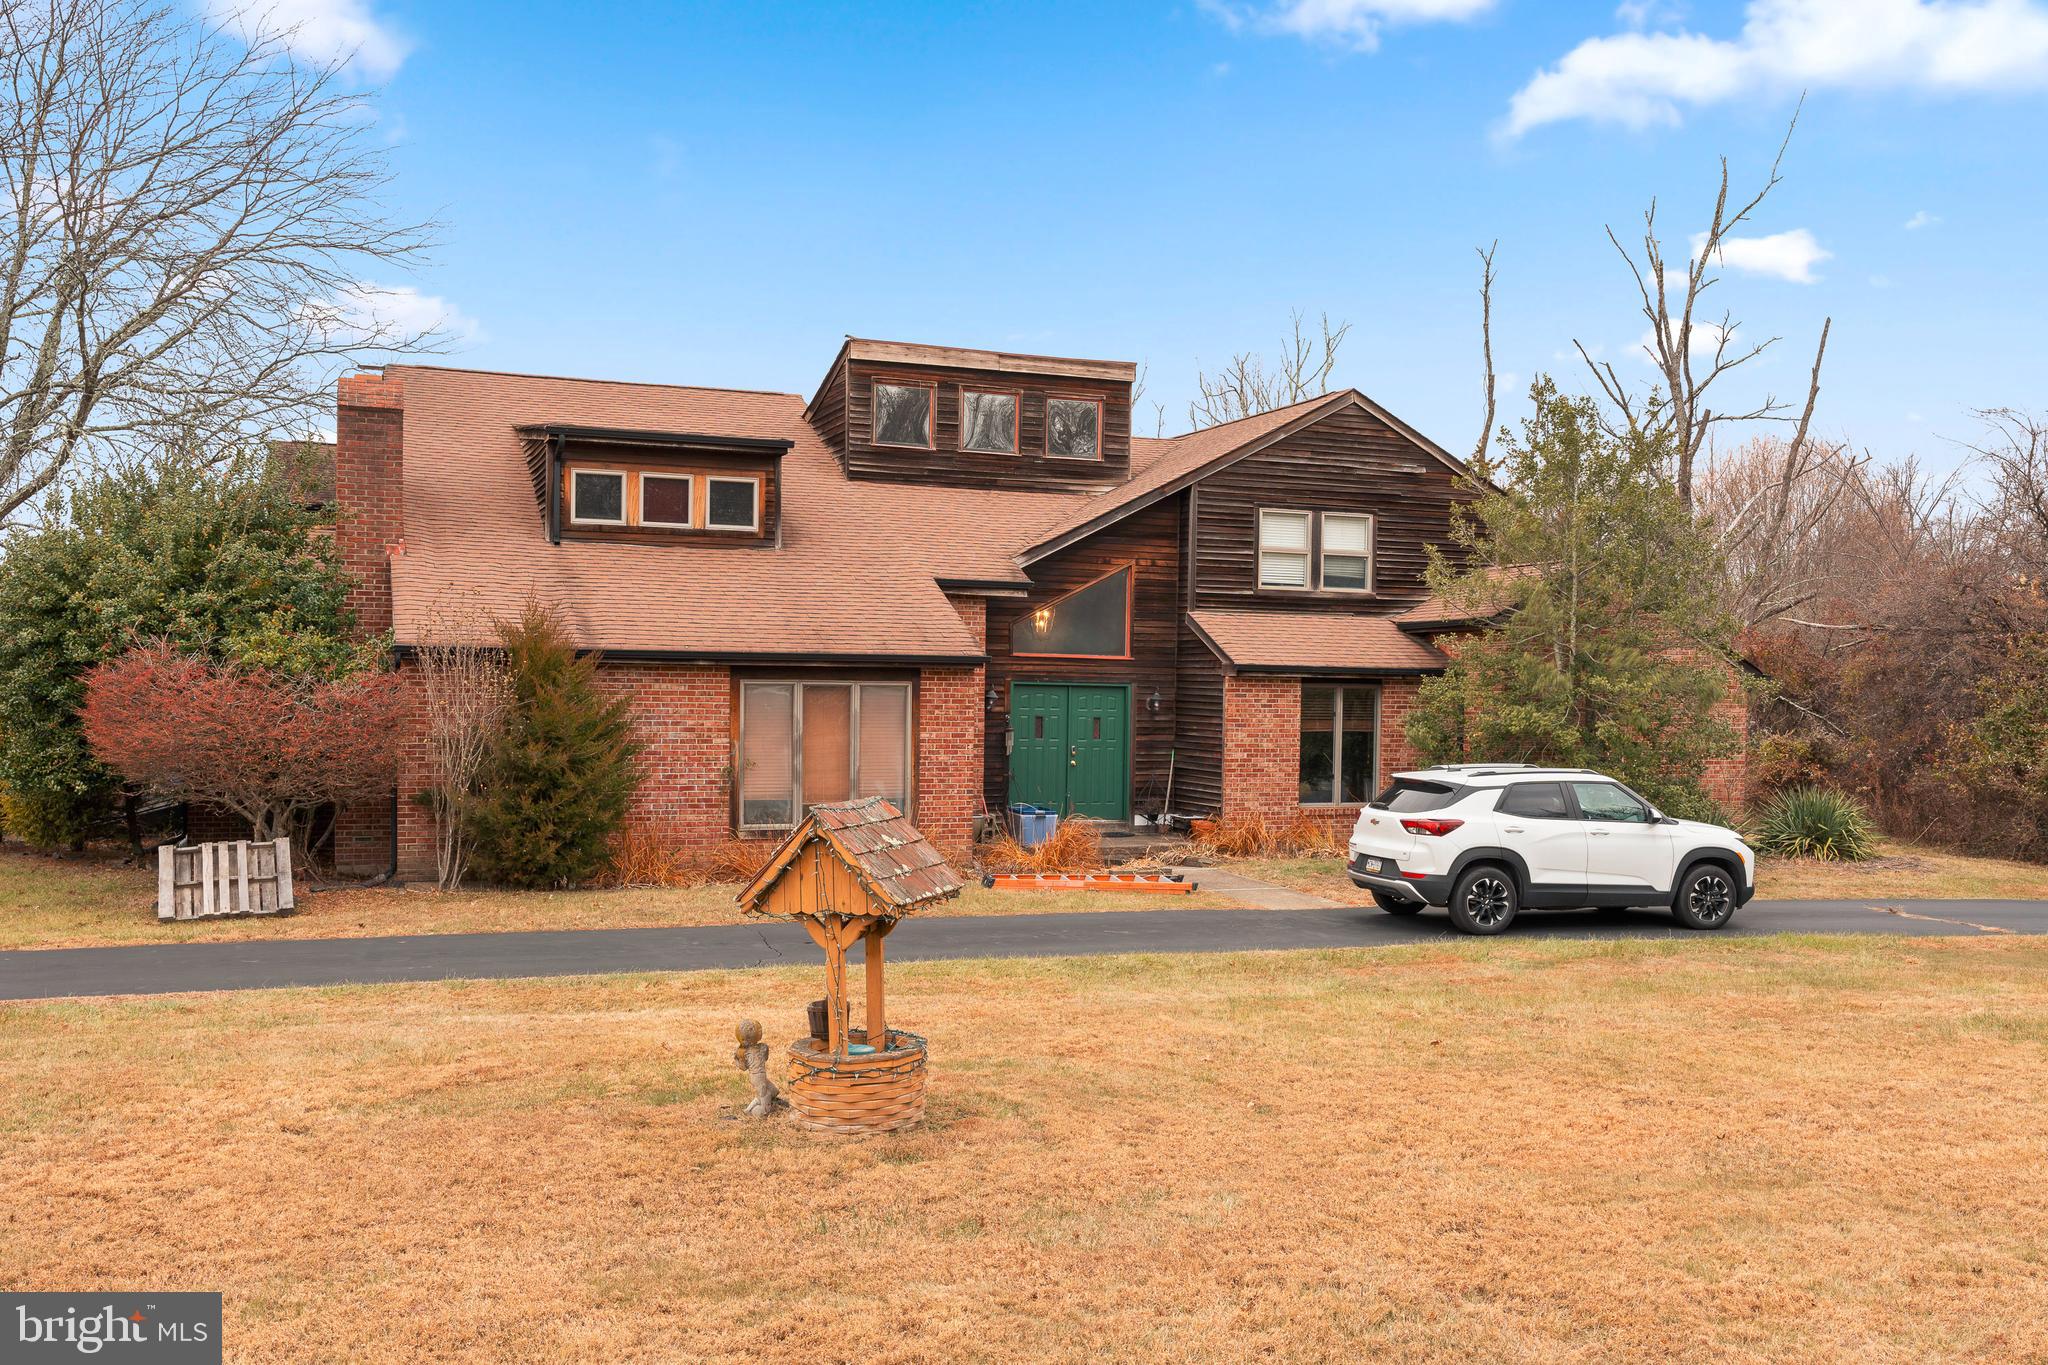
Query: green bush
<point x="1813" y="822"/>
<point x="44" y="820"/>
<point x="554" y="790"/>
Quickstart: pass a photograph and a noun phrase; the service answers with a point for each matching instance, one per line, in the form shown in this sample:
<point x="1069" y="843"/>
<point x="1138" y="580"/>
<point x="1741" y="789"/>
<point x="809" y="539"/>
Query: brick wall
<point x="1727" y="779"/>
<point x="369" y="431"/>
<point x="1262" y="747"/>
<point x="682" y="716"/>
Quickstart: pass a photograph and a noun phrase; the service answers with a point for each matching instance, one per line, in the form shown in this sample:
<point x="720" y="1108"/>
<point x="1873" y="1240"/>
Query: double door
<point x="1070" y="748"/>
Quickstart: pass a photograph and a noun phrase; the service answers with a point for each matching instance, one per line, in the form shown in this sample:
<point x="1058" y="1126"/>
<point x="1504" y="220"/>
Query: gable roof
<point x="894" y="863"/>
<point x="1312" y="642"/>
<point x="1193" y="457"/>
<point x="859" y="572"/>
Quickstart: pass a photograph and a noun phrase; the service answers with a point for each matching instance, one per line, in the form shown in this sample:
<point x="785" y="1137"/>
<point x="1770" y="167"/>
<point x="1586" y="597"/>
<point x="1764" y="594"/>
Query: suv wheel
<point x="1394" y="905"/>
<point x="1484" y="901"/>
<point x="1706" y="898"/>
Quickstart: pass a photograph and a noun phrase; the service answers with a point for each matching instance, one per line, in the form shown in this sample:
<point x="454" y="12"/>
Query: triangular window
<point x="1092" y="621"/>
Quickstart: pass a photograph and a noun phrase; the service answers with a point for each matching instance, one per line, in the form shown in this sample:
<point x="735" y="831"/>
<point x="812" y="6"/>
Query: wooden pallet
<point x="235" y="877"/>
<point x="1090" y="881"/>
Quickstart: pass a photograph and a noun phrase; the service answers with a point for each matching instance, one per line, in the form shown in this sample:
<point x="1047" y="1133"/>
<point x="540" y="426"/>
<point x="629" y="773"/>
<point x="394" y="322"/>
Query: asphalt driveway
<point x="257" y="964"/>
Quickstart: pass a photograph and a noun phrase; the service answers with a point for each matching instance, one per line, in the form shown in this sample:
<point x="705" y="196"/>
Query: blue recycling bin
<point x="1034" y="824"/>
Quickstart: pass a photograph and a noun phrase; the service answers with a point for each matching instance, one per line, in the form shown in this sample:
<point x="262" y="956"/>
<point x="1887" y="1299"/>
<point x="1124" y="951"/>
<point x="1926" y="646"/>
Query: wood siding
<point x="843" y="414"/>
<point x="1198" y="732"/>
<point x="1348" y="462"/>
<point x="1149" y="541"/>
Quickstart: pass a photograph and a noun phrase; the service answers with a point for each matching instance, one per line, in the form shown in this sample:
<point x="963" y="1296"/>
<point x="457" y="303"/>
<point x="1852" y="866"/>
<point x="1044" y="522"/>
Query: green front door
<point x="1070" y="748"/>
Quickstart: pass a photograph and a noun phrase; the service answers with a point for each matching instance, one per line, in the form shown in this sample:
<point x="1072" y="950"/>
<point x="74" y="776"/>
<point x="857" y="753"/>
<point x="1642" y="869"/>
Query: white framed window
<point x="805" y="743"/>
<point x="1073" y="428"/>
<point x="988" y="422"/>
<point x="1347" y="552"/>
<point x="598" y="496"/>
<point x="1283" y="548"/>
<point x="732" y="504"/>
<point x="903" y="415"/>
<point x="668" y="500"/>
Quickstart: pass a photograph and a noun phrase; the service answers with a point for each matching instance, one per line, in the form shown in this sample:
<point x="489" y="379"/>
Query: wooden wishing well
<point x="848" y="873"/>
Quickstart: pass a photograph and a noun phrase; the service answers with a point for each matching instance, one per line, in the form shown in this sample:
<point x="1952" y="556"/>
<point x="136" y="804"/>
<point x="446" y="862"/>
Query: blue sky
<point x="716" y="193"/>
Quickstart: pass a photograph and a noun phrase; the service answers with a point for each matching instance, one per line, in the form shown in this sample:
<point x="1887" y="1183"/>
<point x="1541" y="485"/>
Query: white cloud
<point x="1648" y="13"/>
<point x="1933" y="46"/>
<point x="390" y="315"/>
<point x="1354" y="23"/>
<point x="323" y="31"/>
<point x="1783" y="255"/>
<point x="1922" y="219"/>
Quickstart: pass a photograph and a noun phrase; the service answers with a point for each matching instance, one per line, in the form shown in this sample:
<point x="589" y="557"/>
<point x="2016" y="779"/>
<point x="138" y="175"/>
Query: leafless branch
<point x="192" y="235"/>
<point x="1252" y="384"/>
<point x="1486" y="347"/>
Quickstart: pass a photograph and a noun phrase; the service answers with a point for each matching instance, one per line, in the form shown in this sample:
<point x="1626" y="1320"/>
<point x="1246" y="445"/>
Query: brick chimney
<point x="369" y="437"/>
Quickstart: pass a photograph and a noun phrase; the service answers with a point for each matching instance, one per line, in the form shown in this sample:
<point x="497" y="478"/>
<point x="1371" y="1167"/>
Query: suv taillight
<point x="1425" y="826"/>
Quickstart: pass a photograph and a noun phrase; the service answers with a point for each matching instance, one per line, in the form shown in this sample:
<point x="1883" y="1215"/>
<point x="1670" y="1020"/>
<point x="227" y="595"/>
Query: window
<point x="598" y="495"/>
<point x="665" y="500"/>
<point x="803" y="743"/>
<point x="1536" y="801"/>
<point x="1605" y="801"/>
<point x="1405" y="795"/>
<point x="1339" y="743"/>
<point x="732" y="504"/>
<point x="1073" y="428"/>
<point x="903" y="415"/>
<point x="1283" y="549"/>
<point x="1092" y="621"/>
<point x="1347" y="552"/>
<point x="988" y="422"/>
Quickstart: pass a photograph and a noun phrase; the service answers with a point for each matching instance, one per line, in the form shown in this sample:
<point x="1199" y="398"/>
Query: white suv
<point x="1490" y="839"/>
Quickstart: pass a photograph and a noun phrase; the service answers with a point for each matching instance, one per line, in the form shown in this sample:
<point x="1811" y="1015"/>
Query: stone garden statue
<point x="751" y="1056"/>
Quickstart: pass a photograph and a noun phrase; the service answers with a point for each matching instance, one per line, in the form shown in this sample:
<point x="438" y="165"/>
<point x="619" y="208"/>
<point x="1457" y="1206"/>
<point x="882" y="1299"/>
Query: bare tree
<point x="466" y="689"/>
<point x="1486" y="255"/>
<point x="2015" y="451"/>
<point x="191" y="218"/>
<point x="1250" y="384"/>
<point x="1692" y="354"/>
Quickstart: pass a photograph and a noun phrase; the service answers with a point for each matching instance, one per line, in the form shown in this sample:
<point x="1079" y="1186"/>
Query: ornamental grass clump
<point x="1813" y="822"/>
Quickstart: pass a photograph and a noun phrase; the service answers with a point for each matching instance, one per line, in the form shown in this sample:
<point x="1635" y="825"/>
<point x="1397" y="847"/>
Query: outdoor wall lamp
<point x="990" y="699"/>
<point x="1152" y="702"/>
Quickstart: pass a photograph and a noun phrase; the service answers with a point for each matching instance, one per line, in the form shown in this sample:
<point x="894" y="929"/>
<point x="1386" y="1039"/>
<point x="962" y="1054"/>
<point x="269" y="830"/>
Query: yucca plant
<point x="1813" y="822"/>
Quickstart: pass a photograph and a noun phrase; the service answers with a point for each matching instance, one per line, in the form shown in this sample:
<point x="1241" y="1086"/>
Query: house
<point x="951" y="577"/>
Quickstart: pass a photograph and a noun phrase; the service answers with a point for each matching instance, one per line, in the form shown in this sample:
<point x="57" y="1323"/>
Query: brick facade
<point x="1262" y="747"/>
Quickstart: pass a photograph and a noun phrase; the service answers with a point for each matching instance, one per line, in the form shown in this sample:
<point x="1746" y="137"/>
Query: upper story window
<point x="1283" y="549"/>
<point x="988" y="422"/>
<point x="598" y="496"/>
<point x="1073" y="428"/>
<point x="1092" y="621"/>
<point x="665" y="500"/>
<point x="1347" y="553"/>
<point x="732" y="504"/>
<point x="1310" y="551"/>
<point x="903" y="415"/>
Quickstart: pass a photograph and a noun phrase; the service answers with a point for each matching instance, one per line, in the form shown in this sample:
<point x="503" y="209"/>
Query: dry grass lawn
<point x="1767" y="1149"/>
<point x="1903" y="871"/>
<point x="62" y="902"/>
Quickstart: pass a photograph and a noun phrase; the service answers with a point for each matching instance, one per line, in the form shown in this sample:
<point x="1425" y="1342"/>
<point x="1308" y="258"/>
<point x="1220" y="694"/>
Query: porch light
<point x="1152" y="702"/>
<point x="989" y="699"/>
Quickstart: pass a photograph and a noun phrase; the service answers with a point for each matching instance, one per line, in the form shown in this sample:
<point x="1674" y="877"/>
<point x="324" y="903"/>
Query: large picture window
<point x="805" y="743"/>
<point x="988" y="422"/>
<point x="903" y="415"/>
<point x="1092" y="621"/>
<point x="1073" y="428"/>
<point x="1339" y="743"/>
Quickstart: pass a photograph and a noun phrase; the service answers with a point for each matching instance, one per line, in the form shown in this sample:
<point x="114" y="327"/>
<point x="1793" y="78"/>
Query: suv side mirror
<point x="1659" y="817"/>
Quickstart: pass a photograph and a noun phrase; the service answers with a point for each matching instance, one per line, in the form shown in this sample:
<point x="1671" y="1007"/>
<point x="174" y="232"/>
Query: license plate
<point x="1372" y="864"/>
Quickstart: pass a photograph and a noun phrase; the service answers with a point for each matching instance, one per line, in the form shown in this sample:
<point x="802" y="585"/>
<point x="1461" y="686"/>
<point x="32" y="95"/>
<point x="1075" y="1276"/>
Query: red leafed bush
<point x="267" y="746"/>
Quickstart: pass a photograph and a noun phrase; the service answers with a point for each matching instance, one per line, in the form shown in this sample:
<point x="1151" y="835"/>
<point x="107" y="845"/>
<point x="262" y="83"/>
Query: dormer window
<point x="988" y="422"/>
<point x="1073" y="428"/>
<point x="732" y="504"/>
<point x="598" y="497"/>
<point x="665" y="501"/>
<point x="903" y="415"/>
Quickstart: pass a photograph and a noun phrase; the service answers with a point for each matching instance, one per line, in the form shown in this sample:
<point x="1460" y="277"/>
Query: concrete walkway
<point x="251" y="964"/>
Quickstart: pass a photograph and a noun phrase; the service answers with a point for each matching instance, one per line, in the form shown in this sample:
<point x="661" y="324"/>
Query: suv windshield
<point x="1411" y="794"/>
